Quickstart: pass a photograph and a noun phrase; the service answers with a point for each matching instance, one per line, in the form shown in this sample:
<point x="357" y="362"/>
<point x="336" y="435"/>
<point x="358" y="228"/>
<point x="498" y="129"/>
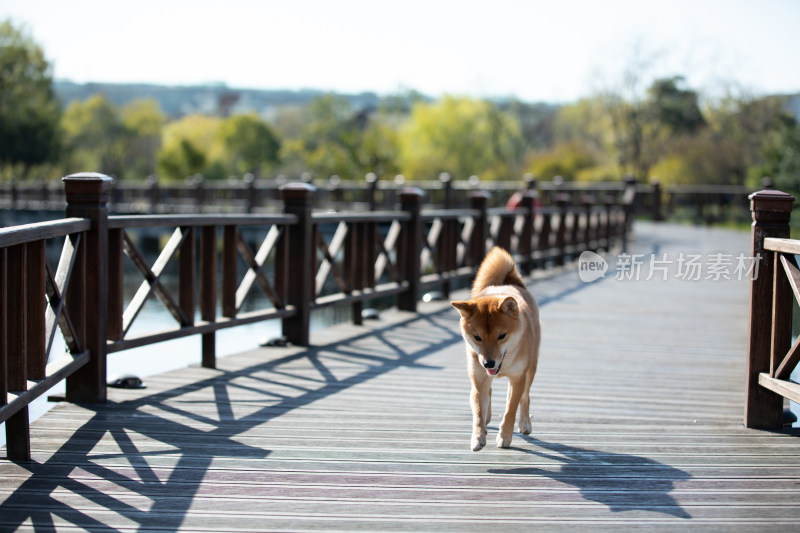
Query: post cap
<point x="78" y="186"/>
<point x="480" y="194"/>
<point x="299" y="186"/>
<point x="410" y="192"/>
<point x="298" y="191"/>
<point x="771" y="200"/>
<point x="88" y="177"/>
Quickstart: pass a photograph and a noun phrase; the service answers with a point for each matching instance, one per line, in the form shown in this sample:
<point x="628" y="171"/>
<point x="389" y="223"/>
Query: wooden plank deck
<point x="637" y="416"/>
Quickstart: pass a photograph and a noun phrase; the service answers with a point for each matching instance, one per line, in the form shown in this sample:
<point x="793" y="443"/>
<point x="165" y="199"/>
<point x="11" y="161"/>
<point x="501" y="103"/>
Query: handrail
<point x="155" y="221"/>
<point x="786" y="246"/>
<point x="305" y="261"/>
<point x="41" y="231"/>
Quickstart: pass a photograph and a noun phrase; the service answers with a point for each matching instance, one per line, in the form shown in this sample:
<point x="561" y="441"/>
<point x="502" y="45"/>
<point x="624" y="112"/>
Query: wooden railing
<point x="772" y="356"/>
<point x="305" y="261"/>
<point x="249" y="195"/>
<point x="700" y="203"/>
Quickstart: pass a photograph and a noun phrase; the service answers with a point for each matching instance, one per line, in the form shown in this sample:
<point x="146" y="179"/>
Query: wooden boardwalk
<point x="637" y="417"/>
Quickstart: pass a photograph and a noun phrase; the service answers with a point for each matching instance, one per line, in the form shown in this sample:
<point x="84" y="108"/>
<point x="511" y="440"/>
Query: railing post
<point x="530" y="182"/>
<point x="154" y="193"/>
<point x="372" y="188"/>
<point x="447" y="185"/>
<point x="589" y="241"/>
<point x="87" y="197"/>
<point x="18" y="443"/>
<point x="658" y="214"/>
<point x="562" y="202"/>
<point x="629" y="204"/>
<point x="298" y="200"/>
<point x="252" y="192"/>
<point x="609" y="224"/>
<point x="771" y="213"/>
<point x="208" y="296"/>
<point x="409" y="258"/>
<point x="526" y="247"/>
<point x="479" y="200"/>
<point x="199" y="191"/>
<point x="14" y="194"/>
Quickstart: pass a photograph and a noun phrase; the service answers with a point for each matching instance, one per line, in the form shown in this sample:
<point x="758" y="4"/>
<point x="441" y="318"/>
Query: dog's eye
<point x="477" y="338"/>
<point x="501" y="336"/>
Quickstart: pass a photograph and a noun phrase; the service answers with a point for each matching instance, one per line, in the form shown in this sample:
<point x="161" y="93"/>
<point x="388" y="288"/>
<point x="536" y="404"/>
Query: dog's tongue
<point x="493" y="371"/>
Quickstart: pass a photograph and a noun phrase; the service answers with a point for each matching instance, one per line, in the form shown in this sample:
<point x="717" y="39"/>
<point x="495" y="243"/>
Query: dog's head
<point x="489" y="325"/>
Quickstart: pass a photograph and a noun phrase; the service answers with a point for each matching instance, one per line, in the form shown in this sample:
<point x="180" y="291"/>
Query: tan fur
<point x="500" y="326"/>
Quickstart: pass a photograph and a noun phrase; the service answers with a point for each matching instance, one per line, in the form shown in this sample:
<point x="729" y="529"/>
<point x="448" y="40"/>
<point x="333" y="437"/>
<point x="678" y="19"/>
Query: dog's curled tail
<point x="497" y="268"/>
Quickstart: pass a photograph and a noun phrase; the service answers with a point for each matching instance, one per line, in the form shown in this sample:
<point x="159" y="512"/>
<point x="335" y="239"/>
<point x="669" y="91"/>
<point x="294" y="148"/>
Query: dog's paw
<point x="525" y="426"/>
<point x="478" y="443"/>
<point x="503" y="441"/>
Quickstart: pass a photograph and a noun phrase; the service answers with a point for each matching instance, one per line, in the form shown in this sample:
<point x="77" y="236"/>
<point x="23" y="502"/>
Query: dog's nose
<point x="488" y="364"/>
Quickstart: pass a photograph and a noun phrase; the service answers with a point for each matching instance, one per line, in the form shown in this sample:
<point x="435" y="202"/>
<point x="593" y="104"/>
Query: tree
<point x="251" y="144"/>
<point x="378" y="149"/>
<point x="674" y="106"/>
<point x="143" y="122"/>
<point x="29" y="109"/>
<point x="100" y="137"/>
<point x="779" y="156"/>
<point x="329" y="137"/>
<point x="192" y="145"/>
<point x="330" y="140"/>
<point x="646" y="129"/>
<point x="460" y="136"/>
<point x="565" y="159"/>
<point x="181" y="160"/>
<point x="93" y="137"/>
<point x="536" y="122"/>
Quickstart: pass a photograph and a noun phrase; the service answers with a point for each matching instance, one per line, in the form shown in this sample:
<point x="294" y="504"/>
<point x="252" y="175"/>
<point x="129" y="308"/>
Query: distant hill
<point x="176" y="101"/>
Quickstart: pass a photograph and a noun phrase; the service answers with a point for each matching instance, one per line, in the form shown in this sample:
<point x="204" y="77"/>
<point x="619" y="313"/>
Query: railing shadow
<point x="192" y="429"/>
<point x="621" y="482"/>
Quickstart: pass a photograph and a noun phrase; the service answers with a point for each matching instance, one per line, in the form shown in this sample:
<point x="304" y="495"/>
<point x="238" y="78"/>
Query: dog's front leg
<point x="515" y="390"/>
<point x="480" y="398"/>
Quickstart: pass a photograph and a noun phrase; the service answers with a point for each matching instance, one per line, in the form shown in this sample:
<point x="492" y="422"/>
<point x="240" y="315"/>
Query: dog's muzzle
<point x="493" y="367"/>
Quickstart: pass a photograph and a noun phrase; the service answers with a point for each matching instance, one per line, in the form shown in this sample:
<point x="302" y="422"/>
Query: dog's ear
<point x="509" y="306"/>
<point x="465" y="307"/>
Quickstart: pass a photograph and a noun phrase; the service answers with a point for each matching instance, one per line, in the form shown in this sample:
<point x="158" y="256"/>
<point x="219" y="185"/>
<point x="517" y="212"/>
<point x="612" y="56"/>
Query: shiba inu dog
<point x="500" y="326"/>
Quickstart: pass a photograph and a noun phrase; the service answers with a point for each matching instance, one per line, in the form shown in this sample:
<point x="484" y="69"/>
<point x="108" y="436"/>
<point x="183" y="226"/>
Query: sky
<point x="552" y="51"/>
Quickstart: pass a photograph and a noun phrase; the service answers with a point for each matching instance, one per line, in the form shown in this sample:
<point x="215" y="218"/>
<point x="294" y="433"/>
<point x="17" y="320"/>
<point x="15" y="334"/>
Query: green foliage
<point x="566" y="160"/>
<point x="251" y="144"/>
<point x="29" y="110"/>
<point x="191" y="145"/>
<point x="460" y="136"/>
<point x="329" y="138"/>
<point x="94" y="137"/>
<point x="100" y="137"/>
<point x="182" y="159"/>
<point x="378" y="150"/>
<point x="780" y="157"/>
<point x="644" y="130"/>
<point x="143" y="122"/>
<point x="674" y="106"/>
<point x="217" y="148"/>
